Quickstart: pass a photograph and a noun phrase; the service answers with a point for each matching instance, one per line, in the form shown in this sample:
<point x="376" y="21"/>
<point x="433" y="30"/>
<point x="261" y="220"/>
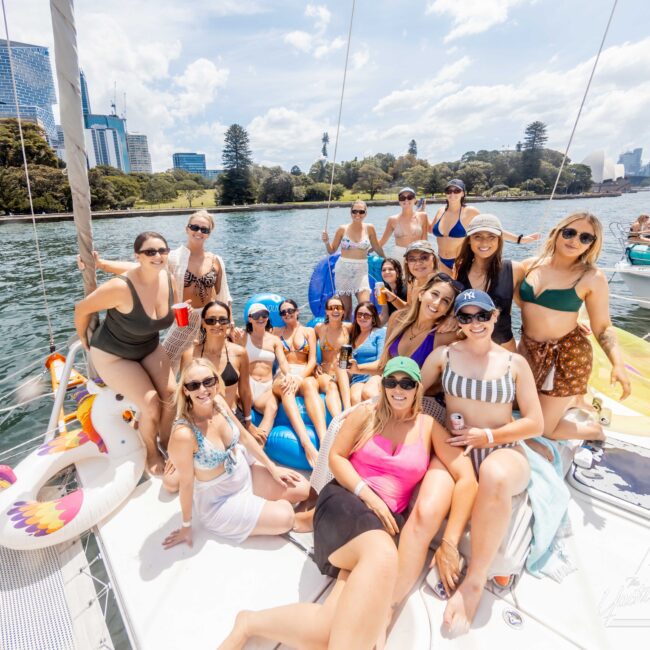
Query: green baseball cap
<point x="405" y="365"/>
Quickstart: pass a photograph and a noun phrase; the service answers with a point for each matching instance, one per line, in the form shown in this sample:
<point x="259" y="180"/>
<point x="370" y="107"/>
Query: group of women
<point x="441" y="343"/>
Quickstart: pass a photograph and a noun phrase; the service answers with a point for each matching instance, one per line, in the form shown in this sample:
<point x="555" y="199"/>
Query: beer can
<point x="457" y="421"/>
<point x="345" y="354"/>
<point x="379" y="293"/>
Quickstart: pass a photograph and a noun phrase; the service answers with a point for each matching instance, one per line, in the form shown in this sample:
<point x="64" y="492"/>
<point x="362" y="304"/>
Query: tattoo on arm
<point x="607" y="340"/>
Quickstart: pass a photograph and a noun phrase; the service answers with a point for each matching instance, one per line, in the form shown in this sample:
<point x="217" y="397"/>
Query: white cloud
<point x="472" y="16"/>
<point x="199" y="84"/>
<point x="325" y="48"/>
<point x="322" y="15"/>
<point x="315" y="43"/>
<point x="360" y="57"/>
<point x="300" y="40"/>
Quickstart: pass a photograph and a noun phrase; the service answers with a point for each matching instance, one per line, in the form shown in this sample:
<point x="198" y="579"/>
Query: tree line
<point x="530" y="168"/>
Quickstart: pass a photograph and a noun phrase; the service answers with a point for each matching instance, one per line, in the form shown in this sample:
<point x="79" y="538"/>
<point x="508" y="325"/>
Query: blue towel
<point x="549" y="499"/>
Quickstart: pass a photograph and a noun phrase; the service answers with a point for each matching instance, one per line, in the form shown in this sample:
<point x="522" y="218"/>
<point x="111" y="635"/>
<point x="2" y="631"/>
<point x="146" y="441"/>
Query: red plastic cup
<point x="181" y="313"/>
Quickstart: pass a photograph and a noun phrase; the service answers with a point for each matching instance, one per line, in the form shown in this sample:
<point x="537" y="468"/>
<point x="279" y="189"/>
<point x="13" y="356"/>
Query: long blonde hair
<point x="183" y="401"/>
<point x="407" y="316"/>
<point x="589" y="257"/>
<point x="382" y="413"/>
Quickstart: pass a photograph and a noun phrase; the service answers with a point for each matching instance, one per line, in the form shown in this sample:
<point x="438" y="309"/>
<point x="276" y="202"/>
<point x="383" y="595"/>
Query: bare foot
<point x="239" y="634"/>
<point x="155" y="464"/>
<point x="312" y="455"/>
<point x="304" y="521"/>
<point x="462" y="607"/>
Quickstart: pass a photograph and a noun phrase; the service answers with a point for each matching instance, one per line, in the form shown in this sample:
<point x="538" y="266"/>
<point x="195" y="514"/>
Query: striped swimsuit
<point x="494" y="391"/>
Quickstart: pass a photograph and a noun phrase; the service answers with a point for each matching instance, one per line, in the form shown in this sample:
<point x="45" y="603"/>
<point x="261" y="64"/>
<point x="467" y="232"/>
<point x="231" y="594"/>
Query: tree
<point x="417" y="177"/>
<point x="277" y="187"/>
<point x="325" y="140"/>
<point x="321" y="192"/>
<point x="534" y="140"/>
<point x="474" y="174"/>
<point x="295" y="171"/>
<point x="36" y="148"/>
<point x="49" y="185"/>
<point x="320" y="171"/>
<point x="125" y="191"/>
<point x="190" y="190"/>
<point x="439" y="176"/>
<point x="581" y="180"/>
<point x="158" y="189"/>
<point x="236" y="185"/>
<point x="413" y="148"/>
<point x="372" y="179"/>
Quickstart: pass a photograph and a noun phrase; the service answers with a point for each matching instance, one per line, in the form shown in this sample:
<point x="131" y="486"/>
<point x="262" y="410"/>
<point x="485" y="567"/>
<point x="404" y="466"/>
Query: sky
<point x="455" y="75"/>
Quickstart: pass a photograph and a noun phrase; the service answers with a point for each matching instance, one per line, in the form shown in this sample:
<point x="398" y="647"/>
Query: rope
<point x="575" y="124"/>
<point x="6" y="409"/>
<point x="338" y="128"/>
<point x="20" y="371"/>
<point x="29" y="186"/>
<point x="15" y="390"/>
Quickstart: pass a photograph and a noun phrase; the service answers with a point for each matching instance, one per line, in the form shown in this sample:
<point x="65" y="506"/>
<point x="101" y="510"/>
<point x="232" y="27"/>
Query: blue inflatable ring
<point x="272" y="302"/>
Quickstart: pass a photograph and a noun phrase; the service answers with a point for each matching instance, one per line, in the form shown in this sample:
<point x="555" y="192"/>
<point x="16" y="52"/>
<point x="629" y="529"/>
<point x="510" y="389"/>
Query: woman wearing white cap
<point x="450" y="224"/>
<point x="408" y="226"/>
<point x="480" y="265"/>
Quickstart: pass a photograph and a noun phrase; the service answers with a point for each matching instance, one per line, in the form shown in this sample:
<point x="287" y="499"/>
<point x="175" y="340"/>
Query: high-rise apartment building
<point x="34" y="85"/>
<point x="139" y="157"/>
<point x="194" y="163"/>
<point x="85" y="97"/>
<point x="632" y="161"/>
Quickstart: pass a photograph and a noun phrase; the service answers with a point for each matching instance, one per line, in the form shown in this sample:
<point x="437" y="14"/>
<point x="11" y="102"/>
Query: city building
<point x="194" y="163"/>
<point x="106" y="144"/>
<point x="139" y="157"/>
<point x="632" y="161"/>
<point x="34" y="85"/>
<point x="85" y="97"/>
<point x="211" y="174"/>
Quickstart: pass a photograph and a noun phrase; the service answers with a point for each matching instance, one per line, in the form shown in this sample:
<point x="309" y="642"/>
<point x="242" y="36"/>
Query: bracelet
<point x="360" y="485"/>
<point x="519" y="238"/>
<point x="248" y="418"/>
<point x="490" y="435"/>
<point x="187" y="524"/>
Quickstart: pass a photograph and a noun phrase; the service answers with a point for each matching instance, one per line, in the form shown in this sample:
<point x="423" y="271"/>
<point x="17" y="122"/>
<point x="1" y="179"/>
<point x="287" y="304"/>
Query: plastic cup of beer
<point x="379" y="293"/>
<point x="181" y="314"/>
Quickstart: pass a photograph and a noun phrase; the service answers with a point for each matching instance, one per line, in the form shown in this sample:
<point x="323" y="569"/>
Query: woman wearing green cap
<point x="378" y="458"/>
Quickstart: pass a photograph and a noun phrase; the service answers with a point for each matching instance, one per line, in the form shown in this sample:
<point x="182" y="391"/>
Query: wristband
<point x="490" y="435"/>
<point x="187" y="524"/>
<point x="360" y="485"/>
<point x="519" y="238"/>
<point x="248" y="418"/>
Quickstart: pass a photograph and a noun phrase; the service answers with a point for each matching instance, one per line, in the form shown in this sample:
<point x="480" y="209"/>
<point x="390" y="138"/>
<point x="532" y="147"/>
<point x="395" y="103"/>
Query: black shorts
<point x="341" y="516"/>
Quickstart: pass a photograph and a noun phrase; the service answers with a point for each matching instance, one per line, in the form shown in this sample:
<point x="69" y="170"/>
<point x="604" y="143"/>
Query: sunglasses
<point x="363" y="315"/>
<point x="358" y="211"/>
<point x="152" y="252"/>
<point x="406" y="383"/>
<point x="260" y="315"/>
<point x="406" y="197"/>
<point x="585" y="237"/>
<point x="208" y="382"/>
<point x="453" y="190"/>
<point x="458" y="286"/>
<point x="290" y="311"/>
<point x="202" y="229"/>
<point x="412" y="259"/>
<point x="335" y="308"/>
<point x="213" y="320"/>
<point x="480" y="317"/>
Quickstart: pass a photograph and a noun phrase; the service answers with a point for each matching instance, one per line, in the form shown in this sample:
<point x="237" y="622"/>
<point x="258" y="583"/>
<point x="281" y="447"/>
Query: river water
<point x="263" y="251"/>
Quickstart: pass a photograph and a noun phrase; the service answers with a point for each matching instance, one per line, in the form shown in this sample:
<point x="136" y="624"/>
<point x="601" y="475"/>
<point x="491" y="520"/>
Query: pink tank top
<point x="392" y="476"/>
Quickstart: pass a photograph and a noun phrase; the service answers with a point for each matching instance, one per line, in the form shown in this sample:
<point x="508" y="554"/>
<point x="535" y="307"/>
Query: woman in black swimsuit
<point x="126" y="349"/>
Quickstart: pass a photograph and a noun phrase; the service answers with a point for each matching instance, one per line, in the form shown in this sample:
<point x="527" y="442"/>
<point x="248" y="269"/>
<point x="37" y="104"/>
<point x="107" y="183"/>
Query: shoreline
<point x="275" y="207"/>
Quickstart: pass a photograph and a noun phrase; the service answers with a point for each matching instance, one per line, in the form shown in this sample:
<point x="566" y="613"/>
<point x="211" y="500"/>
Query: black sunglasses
<point x="213" y="320"/>
<point x="585" y="237"/>
<point x="406" y="197"/>
<point x="358" y="211"/>
<point x="194" y="228"/>
<point x="208" y="382"/>
<point x="260" y="315"/>
<point x="412" y="259"/>
<point x="152" y="252"/>
<point x="289" y="311"/>
<point x="480" y="317"/>
<point x="458" y="286"/>
<point x="405" y="383"/>
<point x="453" y="190"/>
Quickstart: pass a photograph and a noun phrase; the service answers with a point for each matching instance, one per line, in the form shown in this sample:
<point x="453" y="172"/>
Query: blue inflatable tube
<point x="282" y="445"/>
<point x="272" y="302"/>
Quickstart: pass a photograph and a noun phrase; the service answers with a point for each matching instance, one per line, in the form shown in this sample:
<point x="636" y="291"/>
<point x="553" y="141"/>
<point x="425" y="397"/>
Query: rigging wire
<point x="29" y="186"/>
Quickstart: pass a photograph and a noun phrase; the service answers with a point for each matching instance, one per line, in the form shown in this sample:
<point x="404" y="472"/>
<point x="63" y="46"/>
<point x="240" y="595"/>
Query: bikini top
<point x="229" y="375"/>
<point x="392" y="475"/>
<point x="495" y="391"/>
<point x="420" y="354"/>
<point x="304" y="348"/>
<point x="326" y="346"/>
<point x="399" y="232"/>
<point x="556" y="299"/>
<point x="258" y="354"/>
<point x="457" y="232"/>
<point x="202" y="283"/>
<point x="349" y="244"/>
<point x="208" y="455"/>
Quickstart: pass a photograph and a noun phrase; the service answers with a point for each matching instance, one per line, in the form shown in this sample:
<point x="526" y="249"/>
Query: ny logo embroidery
<point x="469" y="295"/>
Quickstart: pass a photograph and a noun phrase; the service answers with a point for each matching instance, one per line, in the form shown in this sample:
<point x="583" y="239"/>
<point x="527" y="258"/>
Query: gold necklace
<point x="415" y="334"/>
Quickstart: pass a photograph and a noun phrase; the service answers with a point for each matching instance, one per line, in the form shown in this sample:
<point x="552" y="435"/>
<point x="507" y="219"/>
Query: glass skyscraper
<point x="194" y="163"/>
<point x="34" y="84"/>
<point x="139" y="157"/>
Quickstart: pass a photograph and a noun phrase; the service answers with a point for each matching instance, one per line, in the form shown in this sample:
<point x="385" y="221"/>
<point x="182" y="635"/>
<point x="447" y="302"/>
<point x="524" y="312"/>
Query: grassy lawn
<point x="349" y="195"/>
<point x="204" y="201"/>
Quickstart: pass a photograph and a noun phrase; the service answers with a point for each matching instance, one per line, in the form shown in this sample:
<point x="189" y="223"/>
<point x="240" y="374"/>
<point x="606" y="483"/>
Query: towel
<point x="549" y="499"/>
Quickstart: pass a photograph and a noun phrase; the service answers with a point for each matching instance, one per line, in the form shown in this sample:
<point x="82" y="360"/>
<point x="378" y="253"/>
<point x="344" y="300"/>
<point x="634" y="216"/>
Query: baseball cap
<point x="255" y="307"/>
<point x="485" y="223"/>
<point x="456" y="182"/>
<point x="473" y="298"/>
<point x="405" y="365"/>
<point x="420" y="245"/>
<point x="407" y="189"/>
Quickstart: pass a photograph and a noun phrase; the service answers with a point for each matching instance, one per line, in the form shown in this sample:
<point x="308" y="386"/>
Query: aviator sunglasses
<point x="289" y="311"/>
<point x="406" y="383"/>
<point x="152" y="252"/>
<point x="406" y="197"/>
<point x="213" y="320"/>
<point x="202" y="229"/>
<point x="208" y="382"/>
<point x="459" y="286"/>
<point x="585" y="237"/>
<point x="480" y="317"/>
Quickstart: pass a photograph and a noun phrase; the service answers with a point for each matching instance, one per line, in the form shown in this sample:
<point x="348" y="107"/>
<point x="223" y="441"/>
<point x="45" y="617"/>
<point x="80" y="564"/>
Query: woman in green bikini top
<point x="554" y="288"/>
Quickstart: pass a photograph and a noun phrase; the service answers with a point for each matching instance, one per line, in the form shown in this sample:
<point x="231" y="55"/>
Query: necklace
<point x="415" y="333"/>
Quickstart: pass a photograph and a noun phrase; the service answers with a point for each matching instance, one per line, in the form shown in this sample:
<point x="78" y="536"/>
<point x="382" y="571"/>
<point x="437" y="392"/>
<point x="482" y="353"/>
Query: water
<point x="263" y="251"/>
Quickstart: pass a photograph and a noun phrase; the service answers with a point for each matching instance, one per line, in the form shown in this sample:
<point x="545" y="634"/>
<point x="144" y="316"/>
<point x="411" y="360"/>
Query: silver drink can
<point x="457" y="421"/>
<point x="345" y="354"/>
